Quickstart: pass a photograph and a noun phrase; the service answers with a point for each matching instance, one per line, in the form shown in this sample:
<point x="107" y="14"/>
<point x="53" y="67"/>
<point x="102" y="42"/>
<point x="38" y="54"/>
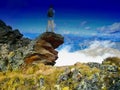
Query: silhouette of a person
<point x="50" y="15"/>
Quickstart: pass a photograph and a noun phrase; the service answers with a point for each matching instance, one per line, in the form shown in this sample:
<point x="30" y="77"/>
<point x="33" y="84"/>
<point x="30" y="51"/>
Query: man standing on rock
<point x="50" y="15"/>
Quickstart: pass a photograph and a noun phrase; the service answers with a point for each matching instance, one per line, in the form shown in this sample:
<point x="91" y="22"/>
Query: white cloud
<point x="70" y="32"/>
<point x="110" y="28"/>
<point x="97" y="52"/>
<point x="87" y="28"/>
<point x="83" y="23"/>
<point x="104" y="44"/>
<point x="66" y="32"/>
<point x="55" y="25"/>
<point x="70" y="58"/>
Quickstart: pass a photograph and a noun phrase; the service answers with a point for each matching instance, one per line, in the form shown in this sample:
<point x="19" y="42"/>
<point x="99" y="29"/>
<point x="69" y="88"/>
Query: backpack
<point x="50" y="12"/>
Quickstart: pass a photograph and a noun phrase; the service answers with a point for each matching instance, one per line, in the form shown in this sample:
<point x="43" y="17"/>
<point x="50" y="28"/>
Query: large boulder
<point x="44" y="49"/>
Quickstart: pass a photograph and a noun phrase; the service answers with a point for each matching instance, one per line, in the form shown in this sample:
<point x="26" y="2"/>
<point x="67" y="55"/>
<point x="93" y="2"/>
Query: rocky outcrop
<point x="17" y="50"/>
<point x="12" y="44"/>
<point x="44" y="49"/>
<point x="12" y="37"/>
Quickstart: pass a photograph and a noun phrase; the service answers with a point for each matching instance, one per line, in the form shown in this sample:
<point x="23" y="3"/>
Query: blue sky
<point x="80" y="17"/>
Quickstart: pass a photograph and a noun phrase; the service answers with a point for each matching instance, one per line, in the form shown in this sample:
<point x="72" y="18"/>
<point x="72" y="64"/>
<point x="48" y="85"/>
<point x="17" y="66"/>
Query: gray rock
<point x="42" y="82"/>
<point x="93" y="64"/>
<point x="112" y="68"/>
<point x="91" y="84"/>
<point x="76" y="75"/>
<point x="115" y="85"/>
<point x="64" y="76"/>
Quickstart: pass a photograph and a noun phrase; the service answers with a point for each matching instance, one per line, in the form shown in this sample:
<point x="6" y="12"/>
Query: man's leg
<point x="48" y="26"/>
<point x="52" y="25"/>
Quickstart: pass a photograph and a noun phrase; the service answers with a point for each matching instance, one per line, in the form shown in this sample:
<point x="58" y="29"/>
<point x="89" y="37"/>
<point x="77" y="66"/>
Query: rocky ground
<point x="89" y="76"/>
<point x="29" y="65"/>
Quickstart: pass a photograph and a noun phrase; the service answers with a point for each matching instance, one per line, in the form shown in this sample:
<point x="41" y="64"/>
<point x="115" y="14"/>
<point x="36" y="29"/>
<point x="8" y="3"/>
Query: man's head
<point x="51" y="6"/>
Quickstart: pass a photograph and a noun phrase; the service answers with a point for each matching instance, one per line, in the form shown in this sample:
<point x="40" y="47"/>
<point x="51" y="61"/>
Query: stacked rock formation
<point x="44" y="49"/>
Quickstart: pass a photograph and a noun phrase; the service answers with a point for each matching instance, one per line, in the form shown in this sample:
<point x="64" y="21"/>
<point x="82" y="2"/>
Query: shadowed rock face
<point x="44" y="49"/>
<point x="12" y="37"/>
<point x="8" y="35"/>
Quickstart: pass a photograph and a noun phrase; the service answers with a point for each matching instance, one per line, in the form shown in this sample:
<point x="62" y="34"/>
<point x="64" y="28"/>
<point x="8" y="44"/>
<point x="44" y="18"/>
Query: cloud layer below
<point x="96" y="52"/>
